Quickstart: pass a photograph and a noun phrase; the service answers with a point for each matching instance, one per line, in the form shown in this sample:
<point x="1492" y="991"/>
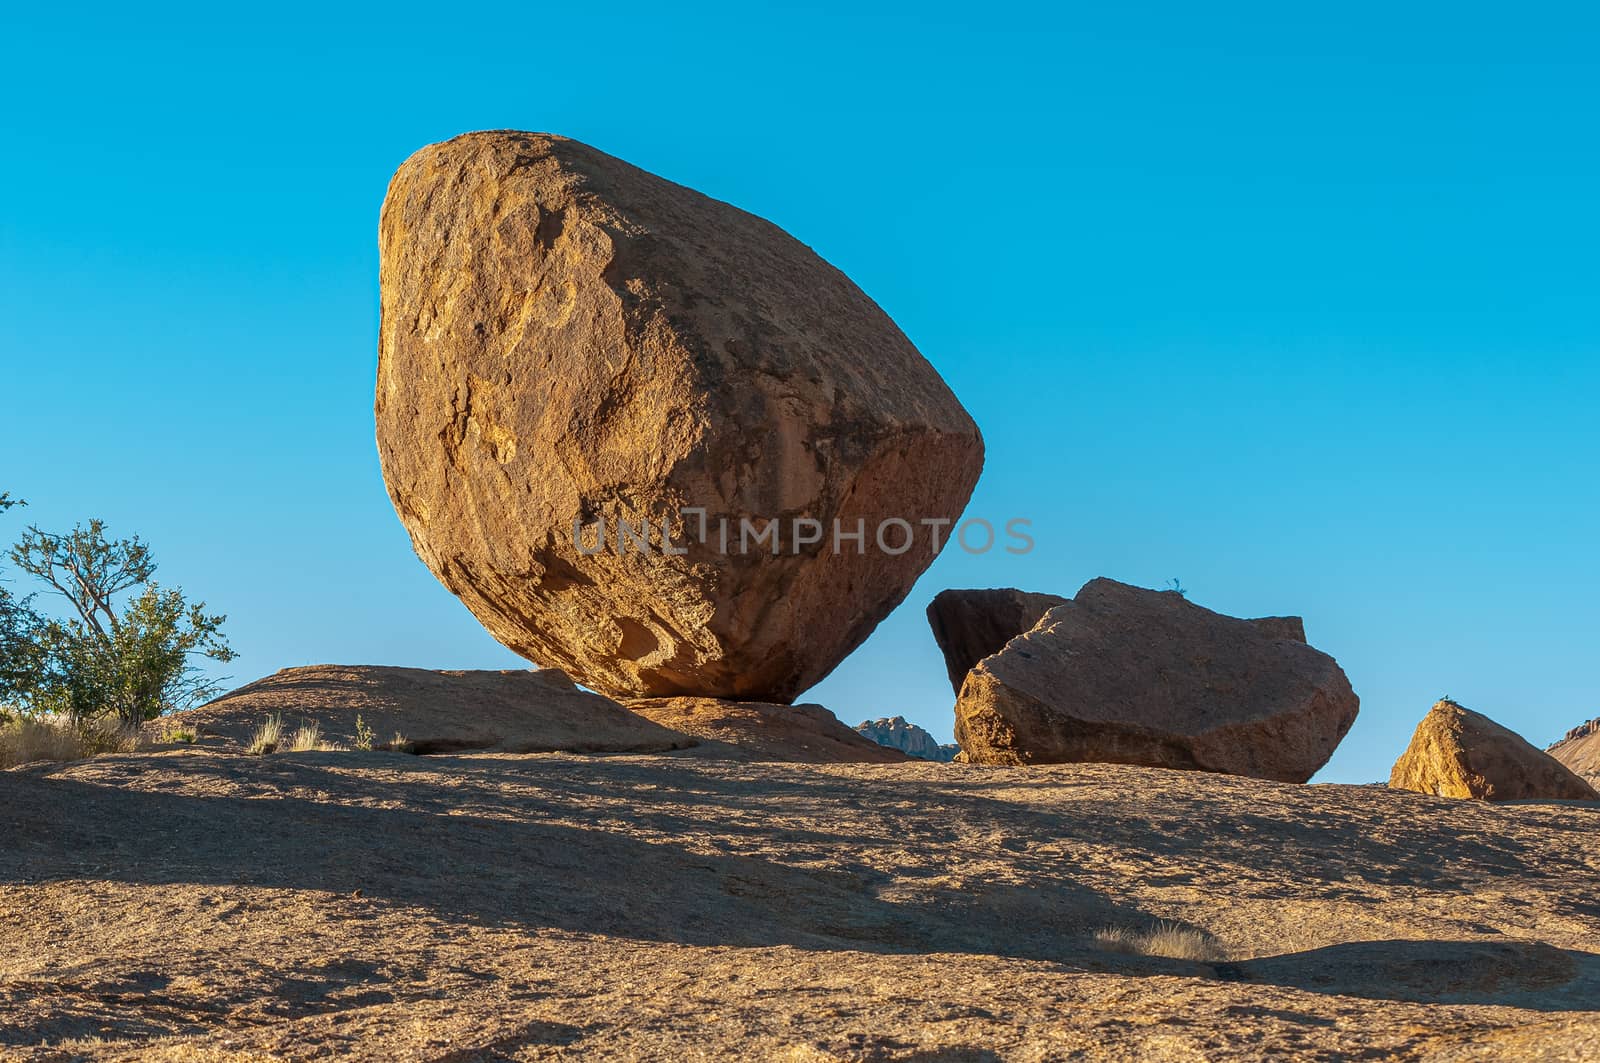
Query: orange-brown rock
<point x="436" y="712"/>
<point x="969" y="625"/>
<point x="1131" y="676"/>
<point x="567" y="338"/>
<point x="753" y="730"/>
<point x="1580" y="751"/>
<point x="1456" y="752"/>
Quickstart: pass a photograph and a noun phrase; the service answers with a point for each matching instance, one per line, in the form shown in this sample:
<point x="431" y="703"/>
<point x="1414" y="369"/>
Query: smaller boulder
<point x="897" y="732"/>
<point x="1460" y="753"/>
<point x="1125" y="675"/>
<point x="760" y="731"/>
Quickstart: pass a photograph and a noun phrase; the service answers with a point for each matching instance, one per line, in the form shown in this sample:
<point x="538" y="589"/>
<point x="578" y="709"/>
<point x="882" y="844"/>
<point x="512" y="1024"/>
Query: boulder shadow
<point x="1508" y="973"/>
<point x="480" y="866"/>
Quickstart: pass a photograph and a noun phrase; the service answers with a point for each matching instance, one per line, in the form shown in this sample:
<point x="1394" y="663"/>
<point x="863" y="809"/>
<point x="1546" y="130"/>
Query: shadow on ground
<point x="455" y="845"/>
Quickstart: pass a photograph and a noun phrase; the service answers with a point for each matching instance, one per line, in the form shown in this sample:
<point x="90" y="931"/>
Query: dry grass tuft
<point x="271" y="738"/>
<point x="1167" y="940"/>
<point x="268" y="737"/>
<point x="35" y="739"/>
<point x="181" y="733"/>
<point x="307" y="739"/>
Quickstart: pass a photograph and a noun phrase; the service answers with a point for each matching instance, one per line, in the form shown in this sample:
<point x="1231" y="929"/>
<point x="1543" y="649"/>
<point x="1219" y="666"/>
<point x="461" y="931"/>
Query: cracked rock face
<point x="1124" y="675"/>
<point x="566" y="338"/>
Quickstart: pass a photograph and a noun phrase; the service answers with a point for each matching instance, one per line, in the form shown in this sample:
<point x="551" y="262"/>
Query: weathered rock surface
<point x="753" y="730"/>
<point x="519" y="712"/>
<point x="1282" y="627"/>
<point x="437" y="712"/>
<point x="568" y="338"/>
<point x="1131" y="676"/>
<point x="1580" y="752"/>
<point x="970" y="625"/>
<point x="1456" y="752"/>
<point x="897" y="732"/>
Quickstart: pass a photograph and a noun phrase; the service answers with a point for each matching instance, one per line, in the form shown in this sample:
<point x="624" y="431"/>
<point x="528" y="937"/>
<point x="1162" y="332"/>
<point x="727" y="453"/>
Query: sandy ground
<point x="197" y="905"/>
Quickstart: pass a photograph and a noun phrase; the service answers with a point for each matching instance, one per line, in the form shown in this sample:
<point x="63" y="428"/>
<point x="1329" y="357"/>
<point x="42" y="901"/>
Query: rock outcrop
<point x="897" y="732"/>
<point x="1456" y="752"/>
<point x="754" y="730"/>
<point x="518" y="712"/>
<point x="1580" y="752"/>
<point x="569" y="340"/>
<point x="1132" y="676"/>
<point x="436" y="712"/>
<point x="969" y="625"/>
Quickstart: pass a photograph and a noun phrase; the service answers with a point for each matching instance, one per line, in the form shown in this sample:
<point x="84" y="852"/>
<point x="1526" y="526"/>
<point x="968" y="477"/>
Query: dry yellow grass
<point x="267" y="737"/>
<point x="307" y="739"/>
<point x="1167" y="940"/>
<point x="35" y="739"/>
<point x="271" y="737"/>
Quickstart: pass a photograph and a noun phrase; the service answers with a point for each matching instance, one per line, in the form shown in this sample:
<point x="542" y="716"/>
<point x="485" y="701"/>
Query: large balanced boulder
<point x="1456" y="752"/>
<point x="569" y="340"/>
<point x="1125" y="675"/>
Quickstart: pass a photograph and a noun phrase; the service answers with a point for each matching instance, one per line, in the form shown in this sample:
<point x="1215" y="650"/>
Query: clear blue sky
<point x="1296" y="305"/>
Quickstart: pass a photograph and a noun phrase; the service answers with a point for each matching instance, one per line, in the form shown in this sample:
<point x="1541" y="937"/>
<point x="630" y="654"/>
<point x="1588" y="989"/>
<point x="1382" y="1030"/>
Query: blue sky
<point x="1296" y="306"/>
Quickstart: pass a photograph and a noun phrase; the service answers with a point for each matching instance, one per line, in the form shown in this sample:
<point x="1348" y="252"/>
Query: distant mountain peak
<point x="899" y="733"/>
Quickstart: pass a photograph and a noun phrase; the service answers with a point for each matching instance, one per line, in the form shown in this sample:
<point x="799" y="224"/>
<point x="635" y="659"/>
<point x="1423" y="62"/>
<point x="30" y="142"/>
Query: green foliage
<point x="185" y="735"/>
<point x="363" y="734"/>
<point x="126" y="647"/>
<point x="21" y="661"/>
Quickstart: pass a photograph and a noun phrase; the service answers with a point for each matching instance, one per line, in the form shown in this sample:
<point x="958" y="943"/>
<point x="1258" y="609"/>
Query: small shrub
<point x="1165" y="939"/>
<point x="268" y="737"/>
<point x="180" y="733"/>
<point x="363" y="734"/>
<point x="399" y="744"/>
<point x="125" y="649"/>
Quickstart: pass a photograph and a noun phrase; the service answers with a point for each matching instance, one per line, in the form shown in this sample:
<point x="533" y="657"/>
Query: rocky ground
<point x="196" y="904"/>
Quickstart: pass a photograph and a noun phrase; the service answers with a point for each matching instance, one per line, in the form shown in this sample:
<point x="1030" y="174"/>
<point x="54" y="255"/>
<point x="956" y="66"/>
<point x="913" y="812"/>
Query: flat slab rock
<point x="435" y="711"/>
<point x="753" y="730"/>
<point x="568" y="339"/>
<point x="1456" y="752"/>
<point x="518" y="712"/>
<point x="1125" y="675"/>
